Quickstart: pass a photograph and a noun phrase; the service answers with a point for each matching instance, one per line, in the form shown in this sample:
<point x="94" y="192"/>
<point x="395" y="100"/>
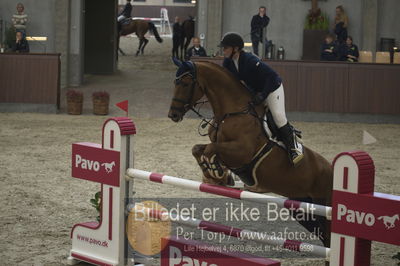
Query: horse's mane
<point x="223" y="71"/>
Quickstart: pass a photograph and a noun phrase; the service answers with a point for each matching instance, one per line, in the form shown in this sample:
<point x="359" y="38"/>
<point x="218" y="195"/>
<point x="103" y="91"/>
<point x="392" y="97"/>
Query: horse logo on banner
<point x="108" y="166"/>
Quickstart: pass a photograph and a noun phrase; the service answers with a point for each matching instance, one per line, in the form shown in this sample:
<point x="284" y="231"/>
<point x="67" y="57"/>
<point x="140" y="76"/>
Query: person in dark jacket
<point x="258" y="23"/>
<point x="177" y="35"/>
<point x="341" y="24"/>
<point x="329" y="49"/>
<point x="349" y="51"/>
<point x="196" y="49"/>
<point x="265" y="86"/>
<point x="21" y="44"/>
<point x="126" y="12"/>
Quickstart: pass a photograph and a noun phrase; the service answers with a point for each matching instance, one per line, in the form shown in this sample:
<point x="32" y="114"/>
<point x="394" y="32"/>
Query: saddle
<point x="125" y="21"/>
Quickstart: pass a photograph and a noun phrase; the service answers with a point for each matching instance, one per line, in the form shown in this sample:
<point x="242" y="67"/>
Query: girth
<point x="245" y="172"/>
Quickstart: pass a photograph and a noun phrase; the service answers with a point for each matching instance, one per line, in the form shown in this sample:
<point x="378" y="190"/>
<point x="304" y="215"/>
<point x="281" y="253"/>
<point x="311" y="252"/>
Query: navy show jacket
<point x="257" y="75"/>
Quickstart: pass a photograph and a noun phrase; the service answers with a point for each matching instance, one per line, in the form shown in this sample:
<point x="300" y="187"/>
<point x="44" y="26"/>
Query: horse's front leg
<point x="214" y="172"/>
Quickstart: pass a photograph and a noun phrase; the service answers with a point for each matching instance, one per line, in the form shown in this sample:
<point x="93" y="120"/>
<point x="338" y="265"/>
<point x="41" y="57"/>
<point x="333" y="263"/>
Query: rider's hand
<point x="258" y="98"/>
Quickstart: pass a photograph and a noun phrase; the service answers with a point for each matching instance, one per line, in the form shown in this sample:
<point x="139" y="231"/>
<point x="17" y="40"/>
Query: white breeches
<point x="120" y="18"/>
<point x="276" y="104"/>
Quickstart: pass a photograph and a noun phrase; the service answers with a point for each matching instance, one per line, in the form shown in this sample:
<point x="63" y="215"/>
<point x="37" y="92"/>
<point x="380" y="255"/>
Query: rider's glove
<point x="258" y="98"/>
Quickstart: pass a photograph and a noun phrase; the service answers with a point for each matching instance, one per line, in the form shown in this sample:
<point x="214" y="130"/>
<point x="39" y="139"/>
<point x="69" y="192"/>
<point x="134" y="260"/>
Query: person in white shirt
<point x="196" y="49"/>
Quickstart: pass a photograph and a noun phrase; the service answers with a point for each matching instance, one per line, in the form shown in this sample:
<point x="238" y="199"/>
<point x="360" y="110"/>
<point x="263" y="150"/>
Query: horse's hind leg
<point x="144" y="45"/>
<point x="317" y="225"/>
<point x="140" y="46"/>
<point x="187" y="44"/>
<point x="181" y="48"/>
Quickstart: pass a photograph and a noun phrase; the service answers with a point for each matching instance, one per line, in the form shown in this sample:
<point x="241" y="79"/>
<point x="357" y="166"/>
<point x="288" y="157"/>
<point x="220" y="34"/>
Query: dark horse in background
<point x="187" y="35"/>
<point x="185" y="38"/>
<point x="140" y="27"/>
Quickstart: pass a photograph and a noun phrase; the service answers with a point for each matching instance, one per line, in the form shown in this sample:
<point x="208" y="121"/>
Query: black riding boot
<point x="293" y="146"/>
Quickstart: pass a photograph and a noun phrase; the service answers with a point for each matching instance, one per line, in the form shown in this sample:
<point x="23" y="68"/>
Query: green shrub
<point x="96" y="203"/>
<point x="321" y="23"/>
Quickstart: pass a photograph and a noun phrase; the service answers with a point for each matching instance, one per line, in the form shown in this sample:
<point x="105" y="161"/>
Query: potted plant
<point x="101" y="100"/>
<point x="74" y="102"/>
<point x="315" y="29"/>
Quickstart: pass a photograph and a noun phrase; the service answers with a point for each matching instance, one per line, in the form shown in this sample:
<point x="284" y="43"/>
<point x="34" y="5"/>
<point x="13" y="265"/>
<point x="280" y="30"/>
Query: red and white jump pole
<point x="187" y="184"/>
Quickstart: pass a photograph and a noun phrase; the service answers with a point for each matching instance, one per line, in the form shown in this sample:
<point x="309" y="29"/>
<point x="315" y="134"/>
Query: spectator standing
<point x="126" y="12"/>
<point x="20" y="19"/>
<point x="329" y="49"/>
<point x="21" y="44"/>
<point x="177" y="35"/>
<point x="341" y="23"/>
<point x="258" y="23"/>
<point x="196" y="49"/>
<point x="349" y="51"/>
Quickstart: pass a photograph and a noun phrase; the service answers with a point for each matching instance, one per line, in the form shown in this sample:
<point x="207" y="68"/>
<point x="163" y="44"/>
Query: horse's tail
<point x="380" y="217"/>
<point x="155" y="32"/>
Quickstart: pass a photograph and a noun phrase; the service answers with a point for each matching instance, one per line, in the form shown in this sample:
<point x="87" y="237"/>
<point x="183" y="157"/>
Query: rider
<point x="264" y="85"/>
<point x="126" y="12"/>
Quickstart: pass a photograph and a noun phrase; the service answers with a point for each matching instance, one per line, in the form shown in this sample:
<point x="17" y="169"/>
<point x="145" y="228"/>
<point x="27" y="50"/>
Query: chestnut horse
<point x="238" y="142"/>
<point x="140" y="27"/>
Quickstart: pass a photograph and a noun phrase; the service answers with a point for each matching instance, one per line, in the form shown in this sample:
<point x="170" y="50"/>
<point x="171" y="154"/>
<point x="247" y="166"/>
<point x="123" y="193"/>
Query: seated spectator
<point x="19" y="20"/>
<point x="349" y="51"/>
<point x="196" y="49"/>
<point x="329" y="51"/>
<point x="21" y="44"/>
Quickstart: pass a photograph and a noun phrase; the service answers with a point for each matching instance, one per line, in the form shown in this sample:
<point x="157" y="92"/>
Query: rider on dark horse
<point x="265" y="86"/>
<point x="125" y="13"/>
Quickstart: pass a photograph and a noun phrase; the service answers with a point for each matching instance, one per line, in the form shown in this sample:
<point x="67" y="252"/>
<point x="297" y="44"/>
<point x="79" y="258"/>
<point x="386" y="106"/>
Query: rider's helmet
<point x="233" y="40"/>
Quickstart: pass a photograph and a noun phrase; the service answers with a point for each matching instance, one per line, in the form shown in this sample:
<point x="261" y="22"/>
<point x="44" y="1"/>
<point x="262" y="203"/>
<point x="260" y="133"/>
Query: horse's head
<point x="187" y="90"/>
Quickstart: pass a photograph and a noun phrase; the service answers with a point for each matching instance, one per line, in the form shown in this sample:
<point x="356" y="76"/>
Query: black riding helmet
<point x="232" y="40"/>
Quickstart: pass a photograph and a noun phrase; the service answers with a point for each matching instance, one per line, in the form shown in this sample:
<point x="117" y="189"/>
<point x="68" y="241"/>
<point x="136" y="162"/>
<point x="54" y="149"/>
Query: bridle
<point x="186" y="102"/>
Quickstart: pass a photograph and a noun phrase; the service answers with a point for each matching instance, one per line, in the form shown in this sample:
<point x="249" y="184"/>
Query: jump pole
<point x="105" y="243"/>
<point x="316" y="209"/>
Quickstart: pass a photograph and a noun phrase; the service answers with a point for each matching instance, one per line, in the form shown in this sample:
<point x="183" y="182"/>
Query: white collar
<point x="236" y="62"/>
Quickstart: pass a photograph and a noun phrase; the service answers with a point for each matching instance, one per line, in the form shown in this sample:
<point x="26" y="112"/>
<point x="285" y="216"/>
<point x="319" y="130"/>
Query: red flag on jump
<point x="123" y="105"/>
